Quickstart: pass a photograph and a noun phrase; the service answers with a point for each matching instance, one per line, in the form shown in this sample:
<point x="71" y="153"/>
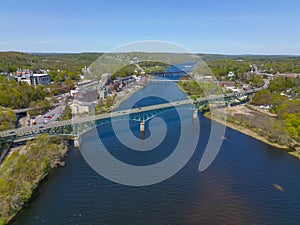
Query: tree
<point x="257" y="81"/>
<point x="262" y="97"/>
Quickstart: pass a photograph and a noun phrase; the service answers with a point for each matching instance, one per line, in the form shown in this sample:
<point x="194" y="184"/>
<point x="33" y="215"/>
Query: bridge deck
<point x="21" y="132"/>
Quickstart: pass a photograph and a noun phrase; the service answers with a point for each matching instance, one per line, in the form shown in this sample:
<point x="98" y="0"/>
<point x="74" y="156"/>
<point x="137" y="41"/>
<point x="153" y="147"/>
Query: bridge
<point x="169" y="73"/>
<point x="79" y="125"/>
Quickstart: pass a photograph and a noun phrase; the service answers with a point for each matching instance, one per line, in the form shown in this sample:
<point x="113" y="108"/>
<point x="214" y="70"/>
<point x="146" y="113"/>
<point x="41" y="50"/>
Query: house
<point x="79" y="107"/>
<point x="226" y="84"/>
<point x="184" y="78"/>
<point x="231" y="74"/>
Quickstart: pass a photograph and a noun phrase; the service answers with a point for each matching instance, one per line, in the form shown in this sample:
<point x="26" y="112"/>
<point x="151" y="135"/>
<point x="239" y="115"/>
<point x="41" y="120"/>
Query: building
<point x="226" y="84"/>
<point x="105" y="78"/>
<point x="104" y="92"/>
<point x="73" y="93"/>
<point x="25" y="78"/>
<point x="35" y="79"/>
<point x="231" y="74"/>
<point x="89" y="95"/>
<point x="43" y="79"/>
<point x="184" y="78"/>
<point x="79" y="107"/>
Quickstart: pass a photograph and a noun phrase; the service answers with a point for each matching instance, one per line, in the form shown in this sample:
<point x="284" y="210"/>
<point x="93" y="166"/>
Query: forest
<point x="287" y="109"/>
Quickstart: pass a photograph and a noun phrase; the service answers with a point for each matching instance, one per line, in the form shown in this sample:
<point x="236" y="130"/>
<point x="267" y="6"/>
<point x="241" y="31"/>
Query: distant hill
<point x="11" y="61"/>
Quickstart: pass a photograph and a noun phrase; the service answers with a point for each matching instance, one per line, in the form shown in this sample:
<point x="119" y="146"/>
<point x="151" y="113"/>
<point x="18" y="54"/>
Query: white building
<point x="231" y="74"/>
<point x="79" y="107"/>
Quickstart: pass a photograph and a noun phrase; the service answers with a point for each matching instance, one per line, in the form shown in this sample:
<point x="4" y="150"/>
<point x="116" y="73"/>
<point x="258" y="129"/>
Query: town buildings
<point x="35" y="79"/>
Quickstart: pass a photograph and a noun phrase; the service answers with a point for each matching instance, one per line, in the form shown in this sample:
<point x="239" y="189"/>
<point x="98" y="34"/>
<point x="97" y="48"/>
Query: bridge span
<point x="79" y="125"/>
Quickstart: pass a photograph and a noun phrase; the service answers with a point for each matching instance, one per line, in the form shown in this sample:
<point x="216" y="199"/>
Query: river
<point x="249" y="182"/>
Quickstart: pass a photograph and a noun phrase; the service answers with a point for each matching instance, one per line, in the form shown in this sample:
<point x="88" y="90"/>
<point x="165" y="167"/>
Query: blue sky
<point x="206" y="26"/>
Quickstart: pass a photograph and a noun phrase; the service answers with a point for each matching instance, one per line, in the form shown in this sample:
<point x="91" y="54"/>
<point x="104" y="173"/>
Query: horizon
<point x="200" y="53"/>
<point x="213" y="27"/>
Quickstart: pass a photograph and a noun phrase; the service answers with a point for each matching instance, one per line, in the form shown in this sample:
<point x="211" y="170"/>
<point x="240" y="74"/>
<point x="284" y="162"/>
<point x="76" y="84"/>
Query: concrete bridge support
<point x="142" y="126"/>
<point x="195" y="114"/>
<point x="77" y="142"/>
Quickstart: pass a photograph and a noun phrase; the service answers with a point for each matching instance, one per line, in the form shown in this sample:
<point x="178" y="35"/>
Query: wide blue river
<point x="249" y="182"/>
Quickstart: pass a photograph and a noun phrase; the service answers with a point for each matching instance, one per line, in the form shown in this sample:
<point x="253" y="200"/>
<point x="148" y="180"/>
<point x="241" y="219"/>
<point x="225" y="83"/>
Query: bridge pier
<point x="77" y="142"/>
<point x="142" y="126"/>
<point x="195" y="114"/>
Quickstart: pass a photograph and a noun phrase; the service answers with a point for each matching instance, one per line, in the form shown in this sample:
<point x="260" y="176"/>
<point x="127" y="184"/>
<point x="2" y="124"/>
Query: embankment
<point x="23" y="169"/>
<point x="257" y="125"/>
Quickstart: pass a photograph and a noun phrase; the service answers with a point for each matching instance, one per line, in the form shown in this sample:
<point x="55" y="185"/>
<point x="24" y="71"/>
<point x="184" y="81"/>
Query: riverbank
<point x="241" y="109"/>
<point x="127" y="95"/>
<point x="23" y="169"/>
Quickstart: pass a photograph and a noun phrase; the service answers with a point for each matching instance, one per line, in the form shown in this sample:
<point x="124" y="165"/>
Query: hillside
<point x="11" y="61"/>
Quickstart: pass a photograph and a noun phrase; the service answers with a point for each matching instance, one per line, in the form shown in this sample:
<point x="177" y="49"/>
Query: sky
<point x="203" y="26"/>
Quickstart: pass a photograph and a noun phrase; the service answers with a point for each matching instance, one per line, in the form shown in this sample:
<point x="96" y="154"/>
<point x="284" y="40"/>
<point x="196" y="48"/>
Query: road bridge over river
<point x="79" y="125"/>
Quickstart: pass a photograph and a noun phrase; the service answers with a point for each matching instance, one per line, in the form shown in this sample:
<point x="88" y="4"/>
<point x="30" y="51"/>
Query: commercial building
<point x="43" y="79"/>
<point x="79" y="107"/>
<point x="35" y="79"/>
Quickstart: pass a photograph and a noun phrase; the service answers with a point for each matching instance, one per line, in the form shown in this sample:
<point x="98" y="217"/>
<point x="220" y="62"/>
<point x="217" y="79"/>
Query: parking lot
<point x="52" y="115"/>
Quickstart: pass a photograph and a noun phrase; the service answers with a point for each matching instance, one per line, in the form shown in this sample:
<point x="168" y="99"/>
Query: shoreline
<point x="295" y="152"/>
<point x="55" y="160"/>
<point x="126" y="96"/>
<point x="253" y="134"/>
<point x="119" y="99"/>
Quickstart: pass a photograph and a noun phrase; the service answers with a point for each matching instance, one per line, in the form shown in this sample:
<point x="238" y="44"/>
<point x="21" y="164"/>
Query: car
<point x="49" y="117"/>
<point x="41" y="127"/>
<point x="12" y="132"/>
